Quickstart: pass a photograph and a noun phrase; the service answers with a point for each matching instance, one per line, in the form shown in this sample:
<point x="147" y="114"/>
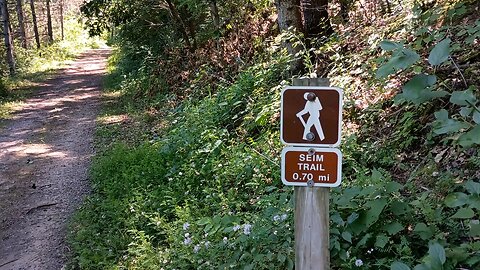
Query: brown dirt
<point x="45" y="153"/>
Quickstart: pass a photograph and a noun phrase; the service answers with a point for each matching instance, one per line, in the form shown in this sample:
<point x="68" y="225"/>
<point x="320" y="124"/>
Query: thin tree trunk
<point x="182" y="26"/>
<point x="7" y="36"/>
<point x="49" y="23"/>
<point x="35" y="26"/>
<point x="21" y="24"/>
<point x="290" y="18"/>
<point x="61" y="20"/>
<point x="214" y="13"/>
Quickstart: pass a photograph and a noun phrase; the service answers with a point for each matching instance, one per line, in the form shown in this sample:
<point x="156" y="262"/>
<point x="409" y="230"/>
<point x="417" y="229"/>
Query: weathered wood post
<point x="312" y="216"/>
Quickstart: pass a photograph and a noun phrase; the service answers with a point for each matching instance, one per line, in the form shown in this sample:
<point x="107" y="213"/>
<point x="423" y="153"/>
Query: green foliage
<point x="202" y="189"/>
<point x="423" y="87"/>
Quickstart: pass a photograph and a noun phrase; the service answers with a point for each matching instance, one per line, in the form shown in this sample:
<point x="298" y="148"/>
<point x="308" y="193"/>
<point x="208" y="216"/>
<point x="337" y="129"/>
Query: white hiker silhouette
<point x="313" y="108"/>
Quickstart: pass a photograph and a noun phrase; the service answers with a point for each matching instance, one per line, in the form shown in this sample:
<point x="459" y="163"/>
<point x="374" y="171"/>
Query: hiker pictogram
<point x="311" y="116"/>
<point x="312" y="108"/>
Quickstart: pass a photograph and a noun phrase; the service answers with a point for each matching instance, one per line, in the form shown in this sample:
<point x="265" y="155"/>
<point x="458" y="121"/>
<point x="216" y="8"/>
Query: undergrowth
<point x="195" y="184"/>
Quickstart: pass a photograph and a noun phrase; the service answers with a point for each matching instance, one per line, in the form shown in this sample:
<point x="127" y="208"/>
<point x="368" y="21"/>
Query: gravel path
<point x="45" y="153"/>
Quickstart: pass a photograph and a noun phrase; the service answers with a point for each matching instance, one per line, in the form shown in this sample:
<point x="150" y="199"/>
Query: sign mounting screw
<point x="310" y="136"/>
<point x="310" y="183"/>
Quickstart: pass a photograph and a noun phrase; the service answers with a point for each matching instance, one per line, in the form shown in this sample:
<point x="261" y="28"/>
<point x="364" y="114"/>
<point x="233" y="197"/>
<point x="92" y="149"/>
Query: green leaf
<point x="402" y="59"/>
<point x="399" y="208"/>
<point x="347" y="236"/>
<point x="464" y="213"/>
<point x="456" y="199"/>
<point x="364" y="240"/>
<point x="474" y="228"/>
<point x="440" y="52"/>
<point x="472" y="187"/>
<point x="476" y="117"/>
<point x="441" y="115"/>
<point x="470" y="138"/>
<point x="474" y="201"/>
<point x="399" y="266"/>
<point x="423" y="231"/>
<point x="466" y="111"/>
<point x="392" y="187"/>
<point x="448" y="126"/>
<point x="376" y="208"/>
<point x="445" y="125"/>
<point x="437" y="252"/>
<point x="381" y="241"/>
<point x="203" y="221"/>
<point x="463" y="98"/>
<point x="418" y="89"/>
<point x="388" y="45"/>
<point x="422" y="267"/>
<point x="393" y="228"/>
<point x="249" y="266"/>
<point x="352" y="217"/>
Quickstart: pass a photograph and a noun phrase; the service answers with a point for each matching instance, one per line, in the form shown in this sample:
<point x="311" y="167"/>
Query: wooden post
<point x="312" y="216"/>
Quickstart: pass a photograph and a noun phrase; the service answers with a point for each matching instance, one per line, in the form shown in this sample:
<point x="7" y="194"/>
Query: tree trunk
<point x="214" y="13"/>
<point x="290" y="18"/>
<point x="344" y="9"/>
<point x="182" y="27"/>
<point x="316" y="19"/>
<point x="7" y="36"/>
<point x="21" y="24"/>
<point x="35" y="26"/>
<point x="61" y="20"/>
<point x="49" y="23"/>
<point x="289" y="15"/>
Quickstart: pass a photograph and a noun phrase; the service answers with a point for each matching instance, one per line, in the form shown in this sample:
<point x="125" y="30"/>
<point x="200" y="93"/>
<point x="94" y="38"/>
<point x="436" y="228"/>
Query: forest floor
<point x="45" y="152"/>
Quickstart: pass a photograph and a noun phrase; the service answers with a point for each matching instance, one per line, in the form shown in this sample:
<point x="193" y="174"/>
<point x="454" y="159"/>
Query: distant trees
<point x="36" y="22"/>
<point x="7" y="35"/>
<point x="49" y="22"/>
<point x="21" y="24"/>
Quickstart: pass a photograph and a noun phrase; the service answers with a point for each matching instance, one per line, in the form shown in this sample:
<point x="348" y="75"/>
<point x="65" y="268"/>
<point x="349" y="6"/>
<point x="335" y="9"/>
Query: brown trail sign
<point x="311" y="116"/>
<point x="303" y="166"/>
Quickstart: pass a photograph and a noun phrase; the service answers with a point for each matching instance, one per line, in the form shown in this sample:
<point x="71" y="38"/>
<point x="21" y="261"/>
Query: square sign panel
<point x="319" y="167"/>
<point x="311" y="116"/>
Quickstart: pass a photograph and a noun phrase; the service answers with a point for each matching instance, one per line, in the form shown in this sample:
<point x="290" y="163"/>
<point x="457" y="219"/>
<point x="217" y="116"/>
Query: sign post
<point x="311" y="127"/>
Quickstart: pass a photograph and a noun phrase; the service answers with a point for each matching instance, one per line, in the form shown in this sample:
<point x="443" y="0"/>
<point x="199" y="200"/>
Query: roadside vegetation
<point x="187" y="172"/>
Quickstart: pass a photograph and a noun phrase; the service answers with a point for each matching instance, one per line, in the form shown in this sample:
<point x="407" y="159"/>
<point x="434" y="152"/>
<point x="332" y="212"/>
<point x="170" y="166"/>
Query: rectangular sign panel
<point x="311" y="116"/>
<point x="321" y="166"/>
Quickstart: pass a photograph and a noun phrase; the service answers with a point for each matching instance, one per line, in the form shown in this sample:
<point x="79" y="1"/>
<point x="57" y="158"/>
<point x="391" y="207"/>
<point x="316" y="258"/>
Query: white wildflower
<point x="207" y="244"/>
<point x="236" y="228"/>
<point x="283" y="217"/>
<point x="196" y="248"/>
<point x="276" y="218"/>
<point x="225" y="240"/>
<point x="246" y="229"/>
<point x="186" y="225"/>
<point x="187" y="241"/>
<point x="358" y="262"/>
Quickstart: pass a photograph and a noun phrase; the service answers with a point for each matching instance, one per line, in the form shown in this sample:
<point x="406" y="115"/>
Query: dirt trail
<point x="45" y="153"/>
